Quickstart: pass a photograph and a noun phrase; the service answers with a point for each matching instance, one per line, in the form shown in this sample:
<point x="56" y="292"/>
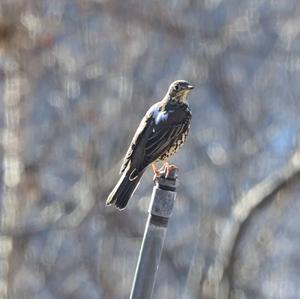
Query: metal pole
<point x="160" y="210"/>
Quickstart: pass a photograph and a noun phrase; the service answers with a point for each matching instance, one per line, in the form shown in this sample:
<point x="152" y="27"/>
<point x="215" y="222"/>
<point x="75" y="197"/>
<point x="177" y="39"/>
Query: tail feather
<point x="123" y="191"/>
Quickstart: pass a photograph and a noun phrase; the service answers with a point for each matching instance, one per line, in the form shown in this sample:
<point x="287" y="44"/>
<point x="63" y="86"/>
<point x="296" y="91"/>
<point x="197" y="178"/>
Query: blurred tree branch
<point x="217" y="284"/>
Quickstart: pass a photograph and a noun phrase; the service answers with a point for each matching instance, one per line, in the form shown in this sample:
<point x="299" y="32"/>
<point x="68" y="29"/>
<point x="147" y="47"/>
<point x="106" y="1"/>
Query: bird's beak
<point x="190" y="87"/>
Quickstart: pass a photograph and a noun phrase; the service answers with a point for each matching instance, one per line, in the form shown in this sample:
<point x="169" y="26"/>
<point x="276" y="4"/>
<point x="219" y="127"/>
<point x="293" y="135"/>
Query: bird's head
<point x="179" y="90"/>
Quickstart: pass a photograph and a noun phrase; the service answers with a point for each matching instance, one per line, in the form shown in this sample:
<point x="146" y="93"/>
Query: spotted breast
<point x="183" y="128"/>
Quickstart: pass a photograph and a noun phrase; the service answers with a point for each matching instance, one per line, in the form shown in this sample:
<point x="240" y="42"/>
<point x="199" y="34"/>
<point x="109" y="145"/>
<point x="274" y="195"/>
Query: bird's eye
<point x="176" y="87"/>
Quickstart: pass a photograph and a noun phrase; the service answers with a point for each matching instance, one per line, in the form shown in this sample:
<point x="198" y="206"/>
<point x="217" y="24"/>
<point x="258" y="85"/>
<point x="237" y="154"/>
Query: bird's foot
<point x="165" y="171"/>
<point x="169" y="169"/>
<point x="157" y="174"/>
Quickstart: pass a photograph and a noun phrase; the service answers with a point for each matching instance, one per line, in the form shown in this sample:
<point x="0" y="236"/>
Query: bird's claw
<point x="169" y="169"/>
<point x="157" y="174"/>
<point x="164" y="171"/>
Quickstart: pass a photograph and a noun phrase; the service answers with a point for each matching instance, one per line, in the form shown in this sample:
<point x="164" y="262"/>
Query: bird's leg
<point x="169" y="169"/>
<point x="163" y="168"/>
<point x="166" y="169"/>
<point x="166" y="165"/>
<point x="156" y="171"/>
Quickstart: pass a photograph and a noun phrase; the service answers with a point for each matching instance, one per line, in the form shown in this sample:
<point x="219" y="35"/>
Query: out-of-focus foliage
<point x="76" y="78"/>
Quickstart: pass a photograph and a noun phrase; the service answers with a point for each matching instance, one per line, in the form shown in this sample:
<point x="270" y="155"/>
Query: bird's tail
<point x="123" y="190"/>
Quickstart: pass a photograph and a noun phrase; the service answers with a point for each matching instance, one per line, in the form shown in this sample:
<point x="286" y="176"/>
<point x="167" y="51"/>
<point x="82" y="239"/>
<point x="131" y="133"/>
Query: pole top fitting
<point x="163" y="197"/>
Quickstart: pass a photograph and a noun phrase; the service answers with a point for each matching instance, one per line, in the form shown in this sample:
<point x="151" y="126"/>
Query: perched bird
<point x="161" y="133"/>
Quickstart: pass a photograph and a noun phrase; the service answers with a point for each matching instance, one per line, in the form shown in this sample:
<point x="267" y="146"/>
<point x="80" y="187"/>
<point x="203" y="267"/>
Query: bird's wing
<point x="167" y="126"/>
<point x="160" y="140"/>
<point x="140" y="132"/>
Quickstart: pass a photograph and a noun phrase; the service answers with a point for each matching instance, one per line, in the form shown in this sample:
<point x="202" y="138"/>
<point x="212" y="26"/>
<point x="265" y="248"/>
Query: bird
<point x="160" y="134"/>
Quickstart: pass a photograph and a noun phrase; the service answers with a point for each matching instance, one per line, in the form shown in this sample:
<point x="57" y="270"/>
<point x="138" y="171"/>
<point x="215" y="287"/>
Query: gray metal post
<point x="160" y="210"/>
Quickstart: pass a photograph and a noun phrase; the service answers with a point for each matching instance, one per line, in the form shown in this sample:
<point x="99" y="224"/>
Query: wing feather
<point x="140" y="132"/>
<point x="164" y="138"/>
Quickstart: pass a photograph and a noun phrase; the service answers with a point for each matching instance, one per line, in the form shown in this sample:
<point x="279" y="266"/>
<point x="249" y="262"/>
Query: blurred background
<point x="76" y="77"/>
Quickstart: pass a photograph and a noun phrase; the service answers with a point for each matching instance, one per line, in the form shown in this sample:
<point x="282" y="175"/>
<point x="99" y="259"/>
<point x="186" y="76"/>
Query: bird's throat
<point x="181" y="98"/>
